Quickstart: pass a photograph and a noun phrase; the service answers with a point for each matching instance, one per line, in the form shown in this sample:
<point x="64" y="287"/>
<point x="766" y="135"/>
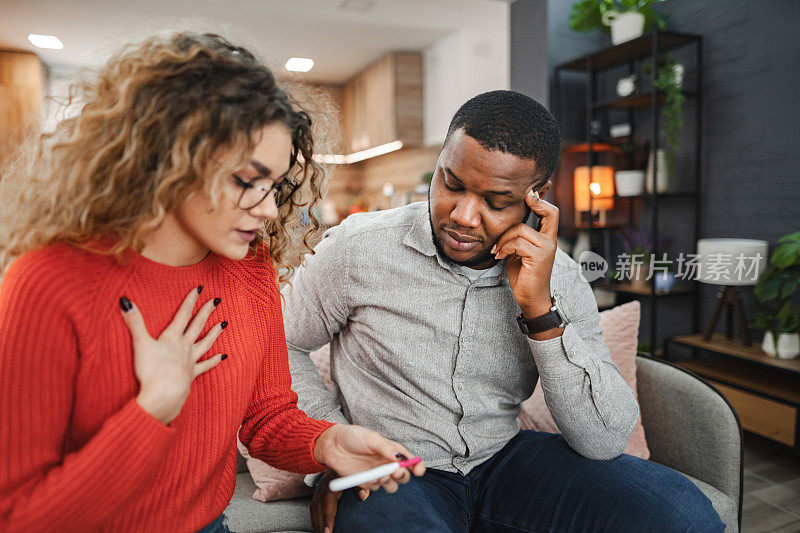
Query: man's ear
<point x="543" y="190"/>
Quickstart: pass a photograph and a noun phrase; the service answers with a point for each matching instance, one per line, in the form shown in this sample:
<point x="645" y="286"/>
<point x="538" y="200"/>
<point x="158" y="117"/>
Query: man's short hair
<point x="512" y="123"/>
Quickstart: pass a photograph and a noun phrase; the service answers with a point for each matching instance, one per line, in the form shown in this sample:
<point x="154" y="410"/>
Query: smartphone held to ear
<point x="534" y="221"/>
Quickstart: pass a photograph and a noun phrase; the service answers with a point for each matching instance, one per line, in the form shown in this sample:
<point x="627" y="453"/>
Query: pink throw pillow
<point x="620" y="333"/>
<point x="274" y="484"/>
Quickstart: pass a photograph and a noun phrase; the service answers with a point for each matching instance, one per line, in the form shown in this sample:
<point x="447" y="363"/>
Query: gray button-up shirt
<point x="436" y="362"/>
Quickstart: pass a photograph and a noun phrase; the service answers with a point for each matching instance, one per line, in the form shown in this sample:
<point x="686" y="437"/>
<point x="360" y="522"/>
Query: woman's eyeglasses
<point x="256" y="191"/>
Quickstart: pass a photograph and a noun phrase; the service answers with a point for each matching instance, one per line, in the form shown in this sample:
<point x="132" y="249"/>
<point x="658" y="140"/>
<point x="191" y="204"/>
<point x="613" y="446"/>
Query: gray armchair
<point x="690" y="427"/>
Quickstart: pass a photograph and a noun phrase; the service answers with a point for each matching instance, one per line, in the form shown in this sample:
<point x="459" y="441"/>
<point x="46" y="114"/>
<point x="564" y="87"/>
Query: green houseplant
<point x="775" y="290"/>
<point x="587" y="15"/>
<point x="669" y="82"/>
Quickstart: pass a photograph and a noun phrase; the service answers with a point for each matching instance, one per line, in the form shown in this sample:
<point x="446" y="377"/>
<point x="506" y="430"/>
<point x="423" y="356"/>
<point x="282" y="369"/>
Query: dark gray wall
<point x="750" y="158"/>
<point x="529" y="72"/>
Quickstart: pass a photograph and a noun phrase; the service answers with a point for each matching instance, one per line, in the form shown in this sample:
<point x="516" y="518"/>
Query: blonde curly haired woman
<point x="140" y="319"/>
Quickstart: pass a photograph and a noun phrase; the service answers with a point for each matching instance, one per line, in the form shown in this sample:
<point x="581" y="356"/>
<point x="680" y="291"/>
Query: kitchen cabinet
<point x="383" y="103"/>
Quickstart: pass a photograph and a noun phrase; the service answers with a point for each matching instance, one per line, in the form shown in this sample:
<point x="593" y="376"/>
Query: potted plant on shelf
<point x="623" y="19"/>
<point x="775" y="289"/>
<point x="669" y="82"/>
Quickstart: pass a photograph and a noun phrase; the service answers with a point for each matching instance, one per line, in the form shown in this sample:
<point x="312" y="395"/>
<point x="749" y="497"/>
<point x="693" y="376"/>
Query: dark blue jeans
<point x="537" y="483"/>
<point x="217" y="526"/>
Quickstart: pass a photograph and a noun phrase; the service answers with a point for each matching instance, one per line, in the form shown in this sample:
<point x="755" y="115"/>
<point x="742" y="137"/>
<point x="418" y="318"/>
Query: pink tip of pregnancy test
<point x="409" y="462"/>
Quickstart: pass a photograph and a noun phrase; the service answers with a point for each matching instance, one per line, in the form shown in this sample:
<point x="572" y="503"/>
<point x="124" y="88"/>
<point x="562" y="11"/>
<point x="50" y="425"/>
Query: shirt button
<point x="459" y="386"/>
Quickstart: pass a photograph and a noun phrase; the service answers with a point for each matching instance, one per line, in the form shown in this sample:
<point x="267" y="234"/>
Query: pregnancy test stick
<point x="354" y="480"/>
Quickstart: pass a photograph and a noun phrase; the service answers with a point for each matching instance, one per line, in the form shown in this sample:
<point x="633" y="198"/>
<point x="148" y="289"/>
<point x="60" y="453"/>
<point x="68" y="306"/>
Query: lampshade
<point x="596" y="193"/>
<point x="731" y="261"/>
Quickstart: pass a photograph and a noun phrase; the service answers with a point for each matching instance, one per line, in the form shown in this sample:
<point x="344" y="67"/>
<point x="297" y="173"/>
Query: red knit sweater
<point x="77" y="453"/>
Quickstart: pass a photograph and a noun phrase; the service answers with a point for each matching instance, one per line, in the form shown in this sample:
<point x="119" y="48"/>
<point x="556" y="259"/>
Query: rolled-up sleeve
<point x="592" y="405"/>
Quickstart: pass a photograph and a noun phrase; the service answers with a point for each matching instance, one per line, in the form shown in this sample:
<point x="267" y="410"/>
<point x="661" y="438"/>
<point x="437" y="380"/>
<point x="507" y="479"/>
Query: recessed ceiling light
<point x="299" y="64"/>
<point x="45" y="41"/>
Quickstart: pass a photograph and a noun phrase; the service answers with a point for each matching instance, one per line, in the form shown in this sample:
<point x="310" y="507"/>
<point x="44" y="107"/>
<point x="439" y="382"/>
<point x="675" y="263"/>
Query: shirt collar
<point x="420" y="236"/>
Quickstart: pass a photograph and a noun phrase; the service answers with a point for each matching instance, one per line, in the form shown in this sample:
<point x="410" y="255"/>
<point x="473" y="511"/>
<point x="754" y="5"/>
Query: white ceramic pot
<point x="629" y="182"/>
<point x="662" y="178"/>
<point x="788" y="345"/>
<point x="624" y="26"/>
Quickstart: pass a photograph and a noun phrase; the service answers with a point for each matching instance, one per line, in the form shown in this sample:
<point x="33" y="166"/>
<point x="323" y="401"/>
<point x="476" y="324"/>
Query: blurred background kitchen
<point x="383" y="77"/>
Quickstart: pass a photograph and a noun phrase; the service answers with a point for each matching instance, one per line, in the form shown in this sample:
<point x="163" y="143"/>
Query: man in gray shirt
<point x="441" y="317"/>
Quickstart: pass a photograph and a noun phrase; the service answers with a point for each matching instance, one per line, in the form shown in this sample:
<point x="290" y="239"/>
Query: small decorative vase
<point x="662" y="177"/>
<point x="788" y="345"/>
<point x="639" y="276"/>
<point x="629" y="182"/>
<point x="624" y="26"/>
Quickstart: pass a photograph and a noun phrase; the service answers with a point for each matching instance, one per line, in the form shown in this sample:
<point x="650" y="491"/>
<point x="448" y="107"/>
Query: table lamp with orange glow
<point x="594" y="193"/>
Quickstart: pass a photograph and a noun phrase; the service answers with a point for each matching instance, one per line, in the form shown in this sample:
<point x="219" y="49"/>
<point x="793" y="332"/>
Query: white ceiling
<point x="340" y="41"/>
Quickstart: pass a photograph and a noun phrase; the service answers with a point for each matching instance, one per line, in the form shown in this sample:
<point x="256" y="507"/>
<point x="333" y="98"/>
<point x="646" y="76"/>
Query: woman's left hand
<point x="349" y="449"/>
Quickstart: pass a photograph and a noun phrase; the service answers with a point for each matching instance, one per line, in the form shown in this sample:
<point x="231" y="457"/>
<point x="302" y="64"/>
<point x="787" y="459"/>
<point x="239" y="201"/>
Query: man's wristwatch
<point x="552" y="319"/>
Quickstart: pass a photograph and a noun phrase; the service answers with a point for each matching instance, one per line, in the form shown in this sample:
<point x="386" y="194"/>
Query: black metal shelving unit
<point x="651" y="47"/>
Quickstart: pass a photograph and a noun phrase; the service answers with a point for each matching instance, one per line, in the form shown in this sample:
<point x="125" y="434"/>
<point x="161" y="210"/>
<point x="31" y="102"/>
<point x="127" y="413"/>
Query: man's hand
<point x="323" y="506"/>
<point x="531" y="254"/>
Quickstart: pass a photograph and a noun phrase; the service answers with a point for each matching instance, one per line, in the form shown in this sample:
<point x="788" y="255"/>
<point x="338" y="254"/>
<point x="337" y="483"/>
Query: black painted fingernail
<point x="199" y="289"/>
<point x="224" y="325"/>
<point x="125" y="304"/>
<point x="217" y="301"/>
<point x="224" y="356"/>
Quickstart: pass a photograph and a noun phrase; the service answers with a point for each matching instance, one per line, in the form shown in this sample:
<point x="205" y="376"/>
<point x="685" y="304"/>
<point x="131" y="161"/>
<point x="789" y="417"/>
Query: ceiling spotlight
<point x="299" y="64"/>
<point x="45" y="41"/>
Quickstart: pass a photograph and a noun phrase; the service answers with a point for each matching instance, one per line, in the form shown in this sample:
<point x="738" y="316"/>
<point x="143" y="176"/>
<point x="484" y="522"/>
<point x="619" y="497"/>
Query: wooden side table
<point x="764" y="391"/>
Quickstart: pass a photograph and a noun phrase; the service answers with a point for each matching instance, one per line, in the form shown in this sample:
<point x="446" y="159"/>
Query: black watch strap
<point x="551" y="319"/>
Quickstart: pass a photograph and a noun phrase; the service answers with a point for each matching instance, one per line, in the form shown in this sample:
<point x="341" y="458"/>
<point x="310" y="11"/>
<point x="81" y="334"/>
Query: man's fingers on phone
<point x="547" y="213"/>
<point x="525" y="232"/>
<point x="519" y="247"/>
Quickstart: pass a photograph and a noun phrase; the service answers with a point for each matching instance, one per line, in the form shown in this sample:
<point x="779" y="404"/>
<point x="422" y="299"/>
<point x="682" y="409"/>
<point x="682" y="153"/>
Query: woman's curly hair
<point x="149" y="124"/>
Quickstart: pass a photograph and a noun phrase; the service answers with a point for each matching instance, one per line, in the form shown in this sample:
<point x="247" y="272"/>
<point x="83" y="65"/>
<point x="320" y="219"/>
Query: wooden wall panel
<point x="20" y="97"/>
<point x="408" y="96"/>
